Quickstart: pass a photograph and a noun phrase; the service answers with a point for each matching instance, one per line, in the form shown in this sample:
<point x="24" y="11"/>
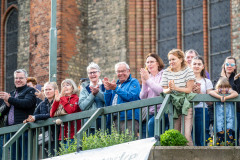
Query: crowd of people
<point x="185" y="77"/>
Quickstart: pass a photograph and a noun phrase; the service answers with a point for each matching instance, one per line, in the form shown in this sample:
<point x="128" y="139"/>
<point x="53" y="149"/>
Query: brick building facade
<point x="103" y="31"/>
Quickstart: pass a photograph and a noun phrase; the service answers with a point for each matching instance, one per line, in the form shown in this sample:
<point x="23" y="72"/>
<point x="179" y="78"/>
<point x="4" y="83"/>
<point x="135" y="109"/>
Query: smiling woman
<point x="151" y="77"/>
<point x="91" y="95"/>
<point x="68" y="99"/>
<point x="178" y="79"/>
<point x="202" y="86"/>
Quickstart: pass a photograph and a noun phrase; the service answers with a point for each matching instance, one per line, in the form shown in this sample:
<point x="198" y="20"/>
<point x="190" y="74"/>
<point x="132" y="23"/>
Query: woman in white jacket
<point x="91" y="95"/>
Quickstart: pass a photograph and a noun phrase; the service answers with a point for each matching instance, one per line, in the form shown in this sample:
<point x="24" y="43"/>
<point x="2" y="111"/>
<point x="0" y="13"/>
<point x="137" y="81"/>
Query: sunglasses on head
<point x="228" y="64"/>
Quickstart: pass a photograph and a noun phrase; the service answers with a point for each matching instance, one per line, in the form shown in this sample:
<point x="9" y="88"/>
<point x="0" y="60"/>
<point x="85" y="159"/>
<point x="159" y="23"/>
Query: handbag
<point x="40" y="137"/>
<point x="60" y="111"/>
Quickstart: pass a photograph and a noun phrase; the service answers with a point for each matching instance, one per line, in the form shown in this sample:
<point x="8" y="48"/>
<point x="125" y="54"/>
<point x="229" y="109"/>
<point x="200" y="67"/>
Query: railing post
<point x="98" y="112"/>
<point x="13" y="139"/>
<point x="160" y="115"/>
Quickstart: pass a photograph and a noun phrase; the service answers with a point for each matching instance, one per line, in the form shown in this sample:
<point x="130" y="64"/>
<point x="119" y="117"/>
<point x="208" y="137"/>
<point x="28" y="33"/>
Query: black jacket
<point x="24" y="104"/>
<point x="43" y="110"/>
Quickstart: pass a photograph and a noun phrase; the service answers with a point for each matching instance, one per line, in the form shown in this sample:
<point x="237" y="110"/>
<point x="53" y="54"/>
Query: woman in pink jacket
<point x="151" y="77"/>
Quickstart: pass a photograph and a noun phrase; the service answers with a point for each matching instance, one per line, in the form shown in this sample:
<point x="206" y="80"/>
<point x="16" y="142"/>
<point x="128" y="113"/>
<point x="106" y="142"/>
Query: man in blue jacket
<point x="126" y="89"/>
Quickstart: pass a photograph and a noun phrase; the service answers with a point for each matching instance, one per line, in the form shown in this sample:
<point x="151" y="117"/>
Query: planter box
<point x="194" y="153"/>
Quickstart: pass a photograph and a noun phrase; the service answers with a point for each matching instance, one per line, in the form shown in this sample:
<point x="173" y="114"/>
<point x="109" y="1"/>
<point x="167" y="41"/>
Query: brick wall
<point x="72" y="52"/>
<point x="141" y="32"/>
<point x="39" y="39"/>
<point x="235" y="28"/>
<point x="107" y="41"/>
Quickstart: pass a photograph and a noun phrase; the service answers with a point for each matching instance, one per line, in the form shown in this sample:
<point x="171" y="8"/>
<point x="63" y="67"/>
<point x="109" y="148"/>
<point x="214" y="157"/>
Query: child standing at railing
<point x="223" y="87"/>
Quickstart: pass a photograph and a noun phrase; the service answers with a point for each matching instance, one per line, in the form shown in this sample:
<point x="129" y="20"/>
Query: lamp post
<point x="53" y="44"/>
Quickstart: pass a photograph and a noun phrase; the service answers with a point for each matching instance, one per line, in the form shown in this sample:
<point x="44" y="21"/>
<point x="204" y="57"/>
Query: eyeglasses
<point x="121" y="71"/>
<point x="20" y="78"/>
<point x="228" y="64"/>
<point x="94" y="72"/>
<point x="150" y="62"/>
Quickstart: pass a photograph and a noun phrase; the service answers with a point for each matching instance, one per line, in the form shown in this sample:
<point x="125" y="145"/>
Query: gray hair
<point x="191" y="51"/>
<point x="21" y="71"/>
<point x="72" y="83"/>
<point x="121" y="63"/>
<point x="93" y="65"/>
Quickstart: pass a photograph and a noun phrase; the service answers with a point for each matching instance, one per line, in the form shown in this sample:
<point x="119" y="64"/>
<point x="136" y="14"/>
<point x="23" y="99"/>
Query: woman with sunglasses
<point x="229" y="70"/>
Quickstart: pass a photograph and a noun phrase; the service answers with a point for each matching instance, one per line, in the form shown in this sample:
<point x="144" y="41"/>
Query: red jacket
<point x="70" y="104"/>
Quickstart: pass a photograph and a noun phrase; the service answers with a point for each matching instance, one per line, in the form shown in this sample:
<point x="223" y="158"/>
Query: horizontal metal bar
<point x="192" y="33"/>
<point x="208" y="98"/>
<point x="166" y="15"/>
<point x="218" y="53"/>
<point x="193" y="7"/>
<point x="166" y="39"/>
<point x="133" y="105"/>
<point x="219" y="26"/>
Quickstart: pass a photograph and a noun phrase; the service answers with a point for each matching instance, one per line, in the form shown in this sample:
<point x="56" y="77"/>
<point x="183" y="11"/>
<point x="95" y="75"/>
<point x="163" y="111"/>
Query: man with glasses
<point x="189" y="55"/>
<point x="126" y="89"/>
<point x="20" y="104"/>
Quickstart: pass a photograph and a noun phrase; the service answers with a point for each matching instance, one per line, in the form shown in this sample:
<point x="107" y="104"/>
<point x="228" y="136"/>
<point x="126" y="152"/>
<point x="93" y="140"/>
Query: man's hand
<point x="5" y="96"/>
<point x="109" y="85"/>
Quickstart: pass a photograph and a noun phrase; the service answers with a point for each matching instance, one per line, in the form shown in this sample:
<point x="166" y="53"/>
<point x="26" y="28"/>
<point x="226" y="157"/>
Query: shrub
<point x="173" y="138"/>
<point x="104" y="139"/>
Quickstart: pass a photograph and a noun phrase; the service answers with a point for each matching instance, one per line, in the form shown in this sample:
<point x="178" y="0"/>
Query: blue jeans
<point x="199" y="137"/>
<point x="151" y="125"/>
<point x="220" y="116"/>
<point x="144" y="128"/>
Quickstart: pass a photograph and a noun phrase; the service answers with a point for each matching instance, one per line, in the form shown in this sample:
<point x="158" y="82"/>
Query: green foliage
<point x="173" y="138"/>
<point x="97" y="140"/>
<point x="70" y="147"/>
<point x="104" y="139"/>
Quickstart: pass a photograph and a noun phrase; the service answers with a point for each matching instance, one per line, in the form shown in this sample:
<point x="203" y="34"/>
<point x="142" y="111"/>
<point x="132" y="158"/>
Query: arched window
<point x="11" y="48"/>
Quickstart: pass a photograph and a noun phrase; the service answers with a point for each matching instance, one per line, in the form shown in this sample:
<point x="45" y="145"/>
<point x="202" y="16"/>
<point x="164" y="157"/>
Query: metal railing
<point x="159" y="120"/>
<point x="10" y="135"/>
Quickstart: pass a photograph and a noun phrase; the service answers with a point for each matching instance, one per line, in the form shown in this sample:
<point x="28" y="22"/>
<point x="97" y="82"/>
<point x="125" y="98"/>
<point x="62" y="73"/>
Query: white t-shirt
<point x="180" y="78"/>
<point x="205" y="85"/>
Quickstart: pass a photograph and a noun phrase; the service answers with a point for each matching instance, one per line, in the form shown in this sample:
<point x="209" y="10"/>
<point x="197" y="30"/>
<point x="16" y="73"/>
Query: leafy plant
<point x="173" y="138"/>
<point x="98" y="140"/>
